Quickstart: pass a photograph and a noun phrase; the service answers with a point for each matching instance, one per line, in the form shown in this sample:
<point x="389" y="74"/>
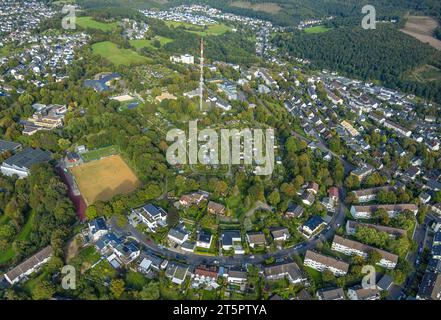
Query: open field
<point x="117" y="56"/>
<point x="88" y="22"/>
<point x="97" y="154"/>
<point x="269" y="7"/>
<point x="100" y="180"/>
<point x="422" y="28"/>
<point x="210" y="30"/>
<point x="426" y="73"/>
<point x="317" y="29"/>
<point x="144" y="43"/>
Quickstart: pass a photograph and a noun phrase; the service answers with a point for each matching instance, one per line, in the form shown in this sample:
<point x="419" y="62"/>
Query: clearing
<point x="209" y="30"/>
<point x="316" y="29"/>
<point x="422" y="28"/>
<point x="144" y="43"/>
<point x="269" y="7"/>
<point x="89" y="22"/>
<point x="100" y="180"/>
<point x="426" y="73"/>
<point x="117" y="56"/>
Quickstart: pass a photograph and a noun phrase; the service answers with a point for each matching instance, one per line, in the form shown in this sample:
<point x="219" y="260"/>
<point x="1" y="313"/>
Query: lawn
<point x="24" y="233"/>
<point x="100" y="153"/>
<point x="315" y="275"/>
<point x="118" y="56"/>
<point x="317" y="29"/>
<point x="210" y="30"/>
<point x="100" y="180"/>
<point x="144" y="43"/>
<point x="88" y="22"/>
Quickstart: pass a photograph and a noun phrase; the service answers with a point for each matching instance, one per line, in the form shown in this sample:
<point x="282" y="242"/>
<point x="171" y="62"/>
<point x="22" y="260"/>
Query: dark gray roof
<point x="28" y="157"/>
<point x="385" y="282"/>
<point x="8" y="146"/>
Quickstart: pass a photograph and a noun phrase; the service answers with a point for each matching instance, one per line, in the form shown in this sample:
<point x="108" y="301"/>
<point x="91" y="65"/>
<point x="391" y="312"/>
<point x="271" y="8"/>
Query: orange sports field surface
<point x="102" y="179"/>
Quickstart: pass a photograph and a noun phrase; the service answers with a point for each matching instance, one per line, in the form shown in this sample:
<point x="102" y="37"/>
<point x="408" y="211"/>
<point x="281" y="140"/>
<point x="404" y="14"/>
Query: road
<point x="236" y="260"/>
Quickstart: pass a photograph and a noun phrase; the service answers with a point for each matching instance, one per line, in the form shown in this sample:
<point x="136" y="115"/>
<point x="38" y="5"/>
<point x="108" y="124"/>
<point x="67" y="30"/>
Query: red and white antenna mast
<point x="201" y="81"/>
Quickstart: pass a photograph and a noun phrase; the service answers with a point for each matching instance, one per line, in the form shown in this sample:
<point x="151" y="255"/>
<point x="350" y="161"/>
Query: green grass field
<point x="211" y="30"/>
<point x="317" y="29"/>
<point x="99" y="153"/>
<point x="117" y="56"/>
<point x="144" y="43"/>
<point x="9" y="254"/>
<point x="426" y="73"/>
<point x="88" y="22"/>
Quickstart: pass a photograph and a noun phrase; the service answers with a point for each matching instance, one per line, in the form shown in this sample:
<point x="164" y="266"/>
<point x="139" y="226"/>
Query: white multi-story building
<point x="350" y="248"/>
<point x="322" y="263"/>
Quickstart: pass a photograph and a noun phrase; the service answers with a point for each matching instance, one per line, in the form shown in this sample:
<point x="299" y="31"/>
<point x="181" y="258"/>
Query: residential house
<point x="194" y="198"/>
<point x="280" y="234"/>
<point x="177" y="272"/>
<point x="359" y="293"/>
<point x="237" y="276"/>
<point x="177" y="235"/>
<point x="331" y="294"/>
<point x="294" y="211"/>
<point x="97" y="228"/>
<point x="256" y="239"/>
<point x="385" y="283"/>
<point x="289" y="270"/>
<point x="28" y="266"/>
<point x="216" y="208"/>
<point x="312" y="226"/>
<point x="204" y="239"/>
<point x="152" y="216"/>
<point x="229" y="238"/>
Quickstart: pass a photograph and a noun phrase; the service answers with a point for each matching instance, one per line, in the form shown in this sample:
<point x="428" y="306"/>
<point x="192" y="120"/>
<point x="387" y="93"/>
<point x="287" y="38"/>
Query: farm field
<point x="88" y="22"/>
<point x="422" y="28"/>
<point x="317" y="29"/>
<point x="117" y="56"/>
<point x="269" y="7"/>
<point x="100" y="180"/>
<point x="144" y="43"/>
<point x="211" y="30"/>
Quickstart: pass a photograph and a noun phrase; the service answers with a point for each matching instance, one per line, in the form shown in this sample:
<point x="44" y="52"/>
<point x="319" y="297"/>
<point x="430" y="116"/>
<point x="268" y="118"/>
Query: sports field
<point x="117" y="56"/>
<point x="97" y="154"/>
<point x="100" y="180"/>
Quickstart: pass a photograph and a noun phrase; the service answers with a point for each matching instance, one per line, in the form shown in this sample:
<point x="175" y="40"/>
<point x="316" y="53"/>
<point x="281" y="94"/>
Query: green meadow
<point x="117" y="56"/>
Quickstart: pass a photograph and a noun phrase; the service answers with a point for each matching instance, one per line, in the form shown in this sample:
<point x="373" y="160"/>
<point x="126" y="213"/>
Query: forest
<point x="384" y="54"/>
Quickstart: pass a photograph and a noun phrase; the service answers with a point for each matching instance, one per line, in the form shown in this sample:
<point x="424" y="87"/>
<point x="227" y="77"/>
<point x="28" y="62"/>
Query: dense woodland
<point x="383" y="54"/>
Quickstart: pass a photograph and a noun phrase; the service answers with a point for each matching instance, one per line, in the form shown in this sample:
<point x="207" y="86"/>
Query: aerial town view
<point x="220" y="150"/>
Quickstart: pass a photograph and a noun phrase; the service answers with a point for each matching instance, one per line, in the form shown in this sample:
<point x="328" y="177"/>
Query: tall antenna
<point x="201" y="81"/>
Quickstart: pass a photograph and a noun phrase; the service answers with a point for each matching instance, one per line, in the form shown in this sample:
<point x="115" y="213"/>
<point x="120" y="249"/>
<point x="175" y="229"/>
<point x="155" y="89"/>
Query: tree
<point x="373" y="257"/>
<point x="117" y="287"/>
<point x="91" y="212"/>
<point x="150" y="291"/>
<point x="352" y="182"/>
<point x="274" y="198"/>
<point x="44" y="290"/>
